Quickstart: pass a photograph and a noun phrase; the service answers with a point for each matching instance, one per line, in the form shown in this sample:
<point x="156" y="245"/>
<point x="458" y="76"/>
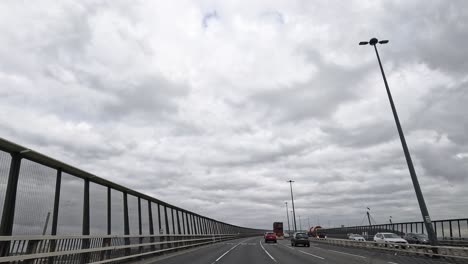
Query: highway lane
<point x="204" y="255"/>
<point x="254" y="250"/>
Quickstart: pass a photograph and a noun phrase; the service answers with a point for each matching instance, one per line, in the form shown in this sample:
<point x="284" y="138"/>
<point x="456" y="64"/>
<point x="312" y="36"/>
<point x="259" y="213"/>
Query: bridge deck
<point x="254" y="250"/>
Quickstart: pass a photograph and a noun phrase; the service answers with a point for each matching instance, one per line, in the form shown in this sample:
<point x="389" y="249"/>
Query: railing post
<point x="210" y="228"/>
<point x="53" y="232"/>
<point x="167" y="224"/>
<point x="172" y="219"/>
<point x="205" y="227"/>
<point x="188" y="223"/>
<point x="140" y="229"/>
<point x="8" y="215"/>
<point x="109" y="211"/>
<point x="194" y="231"/>
<point x="200" y="223"/>
<point x="151" y="227"/>
<point x="459" y="231"/>
<point x="172" y="238"/>
<point x="183" y="222"/>
<point x="160" y="226"/>
<point x="183" y="227"/>
<point x="106" y="242"/>
<point x="200" y="231"/>
<point x="85" y="231"/>
<point x="451" y="233"/>
<point x="126" y="223"/>
<point x="178" y="223"/>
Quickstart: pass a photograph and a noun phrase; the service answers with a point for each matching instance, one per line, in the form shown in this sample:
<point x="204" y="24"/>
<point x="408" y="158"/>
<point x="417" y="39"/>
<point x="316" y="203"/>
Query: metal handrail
<point x="50" y="237"/>
<point x="207" y="240"/>
<point x="441" y="251"/>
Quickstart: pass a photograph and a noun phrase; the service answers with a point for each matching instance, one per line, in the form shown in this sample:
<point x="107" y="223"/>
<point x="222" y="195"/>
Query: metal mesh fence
<point x="144" y="217"/>
<point x="133" y="214"/>
<point x="154" y="210"/>
<point x="34" y="199"/>
<point x="5" y="160"/>
<point x="70" y="216"/>
<point x="50" y="195"/>
<point x="117" y="213"/>
<point x="98" y="209"/>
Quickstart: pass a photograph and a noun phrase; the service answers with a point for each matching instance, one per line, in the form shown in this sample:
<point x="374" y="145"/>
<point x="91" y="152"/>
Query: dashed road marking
<point x="228" y="251"/>
<point x="347" y="253"/>
<point x="392" y="262"/>
<point x="260" y="242"/>
<point x="288" y="247"/>
<point x="307" y="253"/>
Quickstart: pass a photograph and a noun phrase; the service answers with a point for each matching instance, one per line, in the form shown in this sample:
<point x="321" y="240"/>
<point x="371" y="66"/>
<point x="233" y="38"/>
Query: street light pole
<point x="294" y="211"/>
<point x="414" y="178"/>
<point x="287" y="216"/>
<point x="300" y="224"/>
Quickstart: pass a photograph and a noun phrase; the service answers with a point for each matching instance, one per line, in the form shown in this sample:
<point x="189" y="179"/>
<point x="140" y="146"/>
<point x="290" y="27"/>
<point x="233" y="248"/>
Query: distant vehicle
<point x="414" y="238"/>
<point x="270" y="236"/>
<point x="388" y="238"/>
<point x="278" y="229"/>
<point x="300" y="238"/>
<point x="316" y="232"/>
<point x="356" y="237"/>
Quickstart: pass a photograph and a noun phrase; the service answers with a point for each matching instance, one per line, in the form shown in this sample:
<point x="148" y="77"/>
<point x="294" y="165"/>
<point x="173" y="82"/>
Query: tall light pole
<point x="287" y="216"/>
<point x="414" y="178"/>
<point x="294" y="211"/>
<point x="300" y="224"/>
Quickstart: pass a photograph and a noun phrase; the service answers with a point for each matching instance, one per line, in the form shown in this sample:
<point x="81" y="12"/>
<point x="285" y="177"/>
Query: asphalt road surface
<point x="254" y="250"/>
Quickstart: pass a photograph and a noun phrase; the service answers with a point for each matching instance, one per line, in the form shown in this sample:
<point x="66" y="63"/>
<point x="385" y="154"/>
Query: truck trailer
<point x="278" y="229"/>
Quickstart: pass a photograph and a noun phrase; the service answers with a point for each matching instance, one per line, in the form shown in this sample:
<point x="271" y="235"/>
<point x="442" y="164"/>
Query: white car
<point x="389" y="238"/>
<point x="356" y="237"/>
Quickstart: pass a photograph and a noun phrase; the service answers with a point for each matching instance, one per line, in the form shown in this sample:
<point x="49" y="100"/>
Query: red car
<point x="270" y="236"/>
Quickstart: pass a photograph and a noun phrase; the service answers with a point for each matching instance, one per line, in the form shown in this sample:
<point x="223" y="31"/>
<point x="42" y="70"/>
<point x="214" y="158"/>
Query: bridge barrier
<point x="447" y="230"/>
<point x="411" y="249"/>
<point x="91" y="218"/>
<point x="103" y="249"/>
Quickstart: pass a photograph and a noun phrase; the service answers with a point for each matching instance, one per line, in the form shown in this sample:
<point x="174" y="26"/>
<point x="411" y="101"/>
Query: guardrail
<point x="102" y="249"/>
<point x="445" y="229"/>
<point x="92" y="219"/>
<point x="414" y="249"/>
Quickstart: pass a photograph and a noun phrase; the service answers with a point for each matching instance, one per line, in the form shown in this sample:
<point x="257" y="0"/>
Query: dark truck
<point x="278" y="229"/>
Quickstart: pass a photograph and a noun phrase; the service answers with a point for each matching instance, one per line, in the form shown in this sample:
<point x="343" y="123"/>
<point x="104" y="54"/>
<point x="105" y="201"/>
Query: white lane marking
<point x="392" y="262"/>
<point x="267" y="252"/>
<point x="288" y="247"/>
<point x="307" y="253"/>
<point x="229" y="250"/>
<point x="347" y="253"/>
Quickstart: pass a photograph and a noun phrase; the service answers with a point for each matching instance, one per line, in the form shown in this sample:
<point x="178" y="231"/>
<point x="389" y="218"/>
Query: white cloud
<point x="223" y="111"/>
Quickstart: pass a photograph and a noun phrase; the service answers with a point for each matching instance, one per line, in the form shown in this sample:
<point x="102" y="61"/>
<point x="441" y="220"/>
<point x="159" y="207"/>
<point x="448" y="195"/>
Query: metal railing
<point x="29" y="179"/>
<point x="102" y="249"/>
<point x="460" y="253"/>
<point x="448" y="231"/>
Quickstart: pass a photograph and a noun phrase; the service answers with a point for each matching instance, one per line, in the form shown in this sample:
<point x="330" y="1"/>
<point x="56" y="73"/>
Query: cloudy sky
<point x="213" y="105"/>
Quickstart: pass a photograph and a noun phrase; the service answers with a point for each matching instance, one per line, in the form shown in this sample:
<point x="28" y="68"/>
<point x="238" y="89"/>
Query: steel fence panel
<point x="5" y="160"/>
<point x="70" y="216"/>
<point x="98" y="209"/>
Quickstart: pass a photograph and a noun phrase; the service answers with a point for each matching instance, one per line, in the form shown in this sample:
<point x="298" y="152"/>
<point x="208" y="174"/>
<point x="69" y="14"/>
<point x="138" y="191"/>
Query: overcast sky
<point x="213" y="105"/>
